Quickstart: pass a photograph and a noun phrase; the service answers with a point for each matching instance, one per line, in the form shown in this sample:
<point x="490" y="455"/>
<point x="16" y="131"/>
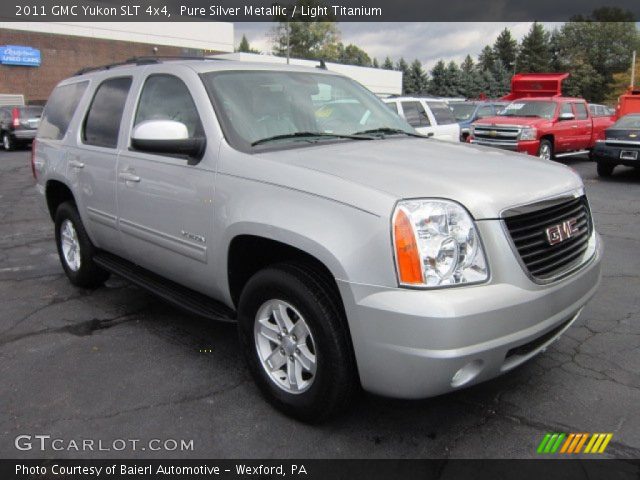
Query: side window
<point x="442" y="113"/>
<point x="102" y="124"/>
<point x="565" y="108"/>
<point x="59" y="110"/>
<point x="393" y="106"/>
<point x="485" y="111"/>
<point x="415" y="114"/>
<point x="581" y="111"/>
<point x="165" y="97"/>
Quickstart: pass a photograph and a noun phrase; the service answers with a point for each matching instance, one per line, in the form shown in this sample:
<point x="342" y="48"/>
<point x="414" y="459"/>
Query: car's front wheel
<point x="545" y="151"/>
<point x="75" y="249"/>
<point x="296" y="343"/>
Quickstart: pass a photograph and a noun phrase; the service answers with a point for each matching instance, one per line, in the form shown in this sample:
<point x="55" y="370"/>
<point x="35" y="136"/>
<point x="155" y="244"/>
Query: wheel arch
<point x="57" y="192"/>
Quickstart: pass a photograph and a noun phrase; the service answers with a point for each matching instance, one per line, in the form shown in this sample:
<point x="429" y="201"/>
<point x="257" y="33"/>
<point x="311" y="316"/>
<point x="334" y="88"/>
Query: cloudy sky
<point x="428" y="42"/>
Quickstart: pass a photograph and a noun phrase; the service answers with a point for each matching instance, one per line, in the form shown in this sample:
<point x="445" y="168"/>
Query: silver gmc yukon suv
<point x="351" y="252"/>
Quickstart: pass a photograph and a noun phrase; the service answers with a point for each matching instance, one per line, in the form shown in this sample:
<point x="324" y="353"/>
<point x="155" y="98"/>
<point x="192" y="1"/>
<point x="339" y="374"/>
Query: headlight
<point x="528" y="133"/>
<point x="436" y="244"/>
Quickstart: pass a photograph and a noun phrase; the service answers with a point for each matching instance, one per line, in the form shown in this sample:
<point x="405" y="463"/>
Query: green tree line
<point x="594" y="49"/>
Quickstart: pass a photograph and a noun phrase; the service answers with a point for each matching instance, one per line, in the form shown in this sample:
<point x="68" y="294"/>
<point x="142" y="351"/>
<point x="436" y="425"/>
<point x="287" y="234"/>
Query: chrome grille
<point x="502" y="135"/>
<point x="528" y="231"/>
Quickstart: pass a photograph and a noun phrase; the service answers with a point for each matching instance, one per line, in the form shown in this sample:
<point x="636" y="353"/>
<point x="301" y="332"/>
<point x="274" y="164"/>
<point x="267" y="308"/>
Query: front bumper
<point x="422" y="343"/>
<point x="611" y="154"/>
<point x="530" y="147"/>
<point x="24" y="134"/>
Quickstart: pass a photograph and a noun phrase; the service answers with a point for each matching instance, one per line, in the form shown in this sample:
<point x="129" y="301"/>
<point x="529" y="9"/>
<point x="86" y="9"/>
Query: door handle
<point x="76" y="164"/>
<point x="129" y="177"/>
<point x="574" y="126"/>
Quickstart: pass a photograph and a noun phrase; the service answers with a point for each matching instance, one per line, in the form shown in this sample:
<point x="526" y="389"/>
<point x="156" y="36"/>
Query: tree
<point x="375" y="63"/>
<point x="438" y="83"/>
<point x="416" y="78"/>
<point x="245" y="47"/>
<point x="352" y="55"/>
<point x="470" y="82"/>
<point x="502" y="78"/>
<point x="452" y="80"/>
<point x="388" y="64"/>
<point x="486" y="59"/>
<point x="317" y="39"/>
<point x="505" y="49"/>
<point x="602" y="42"/>
<point x="535" y="51"/>
<point x="406" y="81"/>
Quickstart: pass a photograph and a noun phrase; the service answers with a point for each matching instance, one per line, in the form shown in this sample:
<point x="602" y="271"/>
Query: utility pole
<point x="633" y="69"/>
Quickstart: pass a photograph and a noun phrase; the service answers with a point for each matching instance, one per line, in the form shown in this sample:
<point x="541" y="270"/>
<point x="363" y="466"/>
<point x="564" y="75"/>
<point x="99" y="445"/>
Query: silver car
<point x="352" y="252"/>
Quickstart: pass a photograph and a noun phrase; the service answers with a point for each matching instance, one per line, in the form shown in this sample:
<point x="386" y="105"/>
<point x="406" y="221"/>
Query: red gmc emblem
<point x="563" y="231"/>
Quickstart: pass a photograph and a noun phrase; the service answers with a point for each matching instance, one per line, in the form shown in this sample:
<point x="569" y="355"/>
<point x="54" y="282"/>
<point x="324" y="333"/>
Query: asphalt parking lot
<point x="117" y="363"/>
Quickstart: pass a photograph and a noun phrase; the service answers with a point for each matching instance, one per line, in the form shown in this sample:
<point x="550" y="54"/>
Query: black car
<point x="18" y="125"/>
<point x="621" y="145"/>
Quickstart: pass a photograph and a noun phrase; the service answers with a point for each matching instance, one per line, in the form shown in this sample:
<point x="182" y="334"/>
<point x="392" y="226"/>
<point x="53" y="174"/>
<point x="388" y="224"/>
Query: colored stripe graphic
<point x="573" y="443"/>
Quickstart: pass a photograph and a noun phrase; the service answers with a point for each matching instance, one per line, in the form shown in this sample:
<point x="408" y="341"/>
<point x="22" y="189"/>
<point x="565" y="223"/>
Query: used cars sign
<point x="19" y="55"/>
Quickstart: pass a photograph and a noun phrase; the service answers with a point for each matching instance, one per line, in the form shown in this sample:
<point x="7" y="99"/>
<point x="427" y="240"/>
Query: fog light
<point x="467" y="373"/>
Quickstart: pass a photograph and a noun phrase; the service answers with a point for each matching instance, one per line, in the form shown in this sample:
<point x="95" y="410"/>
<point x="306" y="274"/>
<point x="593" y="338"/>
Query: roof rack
<point x="150" y="60"/>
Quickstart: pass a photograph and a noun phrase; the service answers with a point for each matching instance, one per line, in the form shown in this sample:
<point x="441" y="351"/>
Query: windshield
<point x="529" y="109"/>
<point x="463" y="111"/>
<point x="628" y="121"/>
<point x="259" y="107"/>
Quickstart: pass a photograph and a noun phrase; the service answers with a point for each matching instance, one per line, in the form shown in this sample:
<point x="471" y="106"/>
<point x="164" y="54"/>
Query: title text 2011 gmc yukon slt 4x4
<point x="350" y="251"/>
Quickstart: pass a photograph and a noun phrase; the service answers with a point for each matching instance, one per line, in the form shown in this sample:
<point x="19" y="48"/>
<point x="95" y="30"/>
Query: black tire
<point x="544" y="143"/>
<point x="88" y="275"/>
<point x="605" y="169"/>
<point x="7" y="142"/>
<point x="336" y="382"/>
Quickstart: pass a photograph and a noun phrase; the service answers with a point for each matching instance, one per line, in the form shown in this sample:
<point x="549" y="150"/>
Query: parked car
<point x="620" y="145"/>
<point x="18" y="125"/>
<point x="466" y="113"/>
<point x="598" y="110"/>
<point x="550" y="127"/>
<point x="373" y="257"/>
<point x="429" y="117"/>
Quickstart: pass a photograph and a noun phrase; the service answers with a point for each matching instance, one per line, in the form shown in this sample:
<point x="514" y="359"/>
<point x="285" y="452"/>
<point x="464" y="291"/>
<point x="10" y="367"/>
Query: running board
<point x="568" y="154"/>
<point x="183" y="297"/>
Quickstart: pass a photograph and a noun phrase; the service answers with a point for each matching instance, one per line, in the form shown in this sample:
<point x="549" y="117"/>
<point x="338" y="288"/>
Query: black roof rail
<point x="150" y="60"/>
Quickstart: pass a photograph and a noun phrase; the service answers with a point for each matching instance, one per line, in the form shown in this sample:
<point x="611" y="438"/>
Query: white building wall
<point x="215" y="36"/>
<point x="378" y="80"/>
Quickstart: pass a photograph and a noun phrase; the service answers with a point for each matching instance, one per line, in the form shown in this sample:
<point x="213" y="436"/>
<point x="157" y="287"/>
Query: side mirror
<point x="166" y="137"/>
<point x="566" y="116"/>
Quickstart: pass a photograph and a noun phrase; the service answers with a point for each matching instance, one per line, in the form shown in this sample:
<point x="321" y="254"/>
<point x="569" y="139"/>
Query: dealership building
<point x="34" y="57"/>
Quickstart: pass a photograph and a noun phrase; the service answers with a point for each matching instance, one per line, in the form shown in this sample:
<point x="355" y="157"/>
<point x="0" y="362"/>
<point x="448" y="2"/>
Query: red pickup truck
<point x="539" y="121"/>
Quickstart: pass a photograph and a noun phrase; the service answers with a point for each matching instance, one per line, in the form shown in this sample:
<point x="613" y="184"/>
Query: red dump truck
<point x="540" y="121"/>
<point x="628" y="102"/>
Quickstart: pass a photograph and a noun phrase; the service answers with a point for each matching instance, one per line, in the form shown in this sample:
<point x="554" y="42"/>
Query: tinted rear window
<point x="442" y="113"/>
<point x="102" y="124"/>
<point x="60" y="109"/>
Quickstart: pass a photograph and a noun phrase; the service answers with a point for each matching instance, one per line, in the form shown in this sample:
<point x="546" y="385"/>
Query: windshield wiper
<point x="308" y="135"/>
<point x="391" y="131"/>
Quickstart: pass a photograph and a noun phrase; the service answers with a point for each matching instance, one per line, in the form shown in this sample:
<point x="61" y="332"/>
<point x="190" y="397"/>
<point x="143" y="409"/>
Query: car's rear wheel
<point x="75" y="249"/>
<point x="605" y="169"/>
<point x="7" y="142"/>
<point x="545" y="151"/>
<point x="296" y="343"/>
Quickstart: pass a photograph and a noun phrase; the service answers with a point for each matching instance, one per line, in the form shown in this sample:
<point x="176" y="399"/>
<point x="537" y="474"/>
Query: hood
<point x="524" y="121"/>
<point x="484" y="180"/>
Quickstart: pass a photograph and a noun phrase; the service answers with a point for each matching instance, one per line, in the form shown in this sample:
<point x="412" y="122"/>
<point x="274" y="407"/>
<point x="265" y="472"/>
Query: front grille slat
<point x="542" y="260"/>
